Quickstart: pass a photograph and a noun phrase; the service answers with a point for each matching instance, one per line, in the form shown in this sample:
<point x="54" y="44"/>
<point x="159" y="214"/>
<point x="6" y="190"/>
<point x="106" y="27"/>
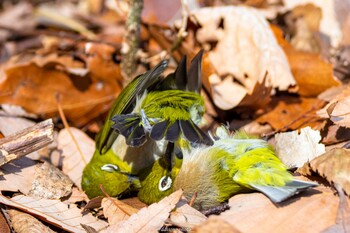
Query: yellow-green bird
<point x="143" y="126"/>
<point x="234" y="164"/>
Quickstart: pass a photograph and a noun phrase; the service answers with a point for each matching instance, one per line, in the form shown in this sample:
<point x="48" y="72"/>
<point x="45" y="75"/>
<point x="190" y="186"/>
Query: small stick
<point x="26" y="141"/>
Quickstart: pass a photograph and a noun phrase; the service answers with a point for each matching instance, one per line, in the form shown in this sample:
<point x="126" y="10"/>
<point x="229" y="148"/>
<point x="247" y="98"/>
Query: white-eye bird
<point x="122" y="153"/>
<point x="234" y="164"/>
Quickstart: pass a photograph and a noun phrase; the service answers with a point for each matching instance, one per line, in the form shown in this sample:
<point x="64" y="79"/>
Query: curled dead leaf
<point x="23" y="222"/>
<point x="333" y="166"/>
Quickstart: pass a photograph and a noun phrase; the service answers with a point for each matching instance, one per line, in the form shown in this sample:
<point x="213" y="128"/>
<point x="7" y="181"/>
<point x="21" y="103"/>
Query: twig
<point x="66" y="125"/>
<point x="193" y="199"/>
<point x="26" y="141"/>
<point x="131" y="41"/>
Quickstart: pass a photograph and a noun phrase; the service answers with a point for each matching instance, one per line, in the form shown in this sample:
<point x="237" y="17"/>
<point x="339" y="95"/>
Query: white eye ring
<point x="110" y="167"/>
<point x="165" y="183"/>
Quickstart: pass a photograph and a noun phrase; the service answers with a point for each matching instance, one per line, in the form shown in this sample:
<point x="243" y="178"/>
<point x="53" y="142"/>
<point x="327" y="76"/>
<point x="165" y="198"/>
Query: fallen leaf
<point x="149" y="219"/>
<point x="116" y="211"/>
<point x="35" y="88"/>
<point x="312" y="74"/>
<point x="21" y="13"/>
<point x="342" y="224"/>
<point x="153" y="11"/>
<point x="55" y="212"/>
<point x="335" y="134"/>
<point x="246" y="49"/>
<point x="76" y="196"/>
<point x="337" y="110"/>
<point x="215" y="225"/>
<point x="295" y="149"/>
<point x="334" y="166"/>
<point x="18" y="175"/>
<point x="312" y="211"/>
<point x="186" y="216"/>
<point x="22" y="223"/>
<point x="49" y="182"/>
<point x="329" y="24"/>
<point x="290" y="112"/>
<point x="73" y="163"/>
<point x="4" y="226"/>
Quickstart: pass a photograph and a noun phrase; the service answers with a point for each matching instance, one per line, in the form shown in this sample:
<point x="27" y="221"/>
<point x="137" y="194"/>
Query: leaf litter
<point x="271" y="78"/>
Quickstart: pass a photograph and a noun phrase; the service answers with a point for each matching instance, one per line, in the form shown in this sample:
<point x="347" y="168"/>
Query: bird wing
<point x="278" y="194"/>
<point x="125" y="103"/>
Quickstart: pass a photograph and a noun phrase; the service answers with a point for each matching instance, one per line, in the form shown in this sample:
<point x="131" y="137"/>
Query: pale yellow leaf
<point x="246" y="49"/>
<point x="148" y="219"/>
<point x="115" y="210"/>
<point x="295" y="149"/>
<point x="73" y="163"/>
<point x="67" y="217"/>
<point x="25" y="223"/>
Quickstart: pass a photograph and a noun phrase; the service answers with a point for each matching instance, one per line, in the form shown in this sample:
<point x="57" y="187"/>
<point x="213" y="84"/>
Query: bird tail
<point x="279" y="194"/>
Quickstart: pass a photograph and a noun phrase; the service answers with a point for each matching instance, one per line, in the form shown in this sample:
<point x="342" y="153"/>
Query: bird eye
<point x="165" y="183"/>
<point x="110" y="167"/>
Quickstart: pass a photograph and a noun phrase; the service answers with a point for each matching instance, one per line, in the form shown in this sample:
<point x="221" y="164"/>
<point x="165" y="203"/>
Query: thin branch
<point x="131" y="41"/>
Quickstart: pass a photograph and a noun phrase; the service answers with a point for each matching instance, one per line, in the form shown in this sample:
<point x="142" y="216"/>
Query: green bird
<point x="126" y="144"/>
<point x="234" y="164"/>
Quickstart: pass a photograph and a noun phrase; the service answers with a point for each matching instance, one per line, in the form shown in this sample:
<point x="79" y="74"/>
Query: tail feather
<point x="279" y="194"/>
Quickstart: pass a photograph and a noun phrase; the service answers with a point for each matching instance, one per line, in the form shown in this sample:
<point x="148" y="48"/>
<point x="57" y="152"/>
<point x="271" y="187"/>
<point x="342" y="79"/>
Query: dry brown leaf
<point x="4" y="226"/>
<point x="295" y="149"/>
<point x="342" y="224"/>
<point x="49" y="182"/>
<point x="21" y="13"/>
<point x="246" y="49"/>
<point x="82" y="97"/>
<point x="334" y="166"/>
<point x="116" y="211"/>
<point x="186" y="216"/>
<point x="329" y="24"/>
<point x="153" y="11"/>
<point x="72" y="162"/>
<point x="337" y="110"/>
<point x="312" y="74"/>
<point x="148" y="219"/>
<point x="335" y="134"/>
<point x="292" y="112"/>
<point x="76" y="196"/>
<point x="25" y="223"/>
<point x="313" y="211"/>
<point x="215" y="225"/>
<point x="67" y="217"/>
<point x="18" y="175"/>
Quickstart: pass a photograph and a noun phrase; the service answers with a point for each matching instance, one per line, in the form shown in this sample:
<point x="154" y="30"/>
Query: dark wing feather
<point x="173" y="132"/>
<point x="129" y="126"/>
<point x="194" y="134"/>
<point x="158" y="130"/>
<point x="125" y="102"/>
<point x="181" y="74"/>
<point x="195" y="73"/>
